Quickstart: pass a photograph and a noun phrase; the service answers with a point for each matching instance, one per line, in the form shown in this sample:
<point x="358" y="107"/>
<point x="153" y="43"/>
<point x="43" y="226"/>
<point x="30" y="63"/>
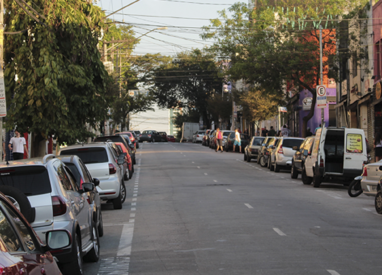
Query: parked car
<point x="298" y="158"/>
<point x="138" y="134"/>
<point x="264" y="161"/>
<point x="225" y="134"/>
<point x="371" y="178"/>
<point x="136" y="139"/>
<point x="282" y="153"/>
<point x="45" y="192"/>
<point x="378" y="196"/>
<point x="150" y="136"/>
<point x="171" y="138"/>
<point x="163" y="136"/>
<point x="102" y="163"/>
<point x="211" y="136"/>
<point x="230" y="140"/>
<point x="131" y="136"/>
<point x="82" y="175"/>
<point x="198" y="136"/>
<point x="264" y="146"/>
<point x="130" y="166"/>
<point x="205" y="137"/>
<point x="337" y="153"/>
<point x="22" y="250"/>
<point x="252" y="149"/>
<point x="120" y="138"/>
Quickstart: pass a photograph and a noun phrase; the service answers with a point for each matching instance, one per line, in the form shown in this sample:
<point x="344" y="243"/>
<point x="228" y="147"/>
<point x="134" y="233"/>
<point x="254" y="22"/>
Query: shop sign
<point x="378" y="90"/>
<point x="306" y="103"/>
<point x="283" y="109"/>
<point x="354" y="143"/>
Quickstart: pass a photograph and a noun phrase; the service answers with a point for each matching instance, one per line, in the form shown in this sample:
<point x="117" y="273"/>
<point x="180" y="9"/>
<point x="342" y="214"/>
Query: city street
<point x="190" y="210"/>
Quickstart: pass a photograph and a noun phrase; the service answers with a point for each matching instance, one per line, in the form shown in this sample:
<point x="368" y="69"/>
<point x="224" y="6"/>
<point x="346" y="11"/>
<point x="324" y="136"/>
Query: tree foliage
<point x="55" y="80"/>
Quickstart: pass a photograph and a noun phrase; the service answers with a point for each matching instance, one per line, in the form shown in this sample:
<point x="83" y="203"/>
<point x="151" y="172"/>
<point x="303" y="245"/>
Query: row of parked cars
<point x="57" y="199"/>
<point x="208" y="138"/>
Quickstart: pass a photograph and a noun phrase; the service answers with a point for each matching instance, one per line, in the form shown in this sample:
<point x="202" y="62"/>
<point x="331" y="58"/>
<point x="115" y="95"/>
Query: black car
<point x="231" y="139"/>
<point x="150" y="136"/>
<point x="163" y="136"/>
<point x="298" y="159"/>
<point x="120" y="138"/>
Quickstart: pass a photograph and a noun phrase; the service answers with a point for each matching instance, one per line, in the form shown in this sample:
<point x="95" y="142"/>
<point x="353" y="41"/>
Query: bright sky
<point x="184" y="19"/>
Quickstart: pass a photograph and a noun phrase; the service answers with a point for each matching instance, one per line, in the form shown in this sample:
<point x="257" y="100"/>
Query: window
<point x="65" y="182"/>
<point x="290" y="143"/>
<point x="85" y="172"/>
<point x="23" y="230"/>
<point x="88" y="155"/>
<point x="71" y="179"/>
<point x="75" y="172"/>
<point x="8" y="235"/>
<point x="257" y="141"/>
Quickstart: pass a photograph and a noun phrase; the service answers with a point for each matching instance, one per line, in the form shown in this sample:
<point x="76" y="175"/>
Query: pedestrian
<point x="285" y="131"/>
<point x="264" y="132"/>
<point x="17" y="145"/>
<point x="278" y="134"/>
<point x="308" y="132"/>
<point x="272" y="132"/>
<point x="219" y="140"/>
<point x="237" y="140"/>
<point x="378" y="147"/>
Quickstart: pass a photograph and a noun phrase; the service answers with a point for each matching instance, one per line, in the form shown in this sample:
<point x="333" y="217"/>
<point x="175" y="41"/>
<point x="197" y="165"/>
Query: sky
<point x="183" y="18"/>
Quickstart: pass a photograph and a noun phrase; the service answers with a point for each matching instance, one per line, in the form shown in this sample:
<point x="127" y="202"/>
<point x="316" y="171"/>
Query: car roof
<point x="69" y="158"/>
<point x="87" y="145"/>
<point x="23" y="162"/>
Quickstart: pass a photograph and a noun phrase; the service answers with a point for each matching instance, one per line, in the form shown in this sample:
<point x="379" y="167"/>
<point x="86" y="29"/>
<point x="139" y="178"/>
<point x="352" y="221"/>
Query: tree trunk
<point x="38" y="145"/>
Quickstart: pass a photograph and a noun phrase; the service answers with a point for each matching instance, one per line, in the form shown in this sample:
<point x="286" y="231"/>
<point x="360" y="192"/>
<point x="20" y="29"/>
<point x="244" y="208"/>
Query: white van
<point x="336" y="153"/>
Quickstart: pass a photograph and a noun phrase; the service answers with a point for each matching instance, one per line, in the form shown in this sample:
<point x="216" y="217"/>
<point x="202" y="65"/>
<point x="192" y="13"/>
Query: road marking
<point x="134" y="195"/>
<point x="193" y="162"/>
<point x="229" y="190"/>
<point x="198" y="167"/>
<point x="248" y="205"/>
<point x="367" y="209"/>
<point x="278" y="231"/>
<point x="124" y="247"/>
<point x="205" y="174"/>
<point x="215" y="181"/>
<point x="333" y="272"/>
<point x="330" y="195"/>
<point x="132" y="215"/>
<point x="134" y="199"/>
<point x="133" y="204"/>
<point x="133" y="209"/>
<point x="131" y="221"/>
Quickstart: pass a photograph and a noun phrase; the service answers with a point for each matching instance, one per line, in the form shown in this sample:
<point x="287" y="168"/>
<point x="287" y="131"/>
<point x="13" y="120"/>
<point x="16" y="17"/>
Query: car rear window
<point x="75" y="172"/>
<point x="146" y="132"/>
<point x="88" y="155"/>
<point x="292" y="142"/>
<point x="201" y="132"/>
<point x="31" y="180"/>
<point x="257" y="141"/>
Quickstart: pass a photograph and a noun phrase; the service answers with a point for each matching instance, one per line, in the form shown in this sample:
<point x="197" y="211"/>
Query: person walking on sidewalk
<point x="272" y="132"/>
<point x="19" y="145"/>
<point x="237" y="140"/>
<point x="219" y="140"/>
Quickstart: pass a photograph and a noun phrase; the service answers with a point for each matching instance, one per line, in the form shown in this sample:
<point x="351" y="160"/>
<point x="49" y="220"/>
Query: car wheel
<point x="20" y="201"/>
<point x="131" y="172"/>
<point x="316" y="181"/>
<point x="75" y="267"/>
<point x="134" y="161"/>
<point x="122" y="192"/>
<point x="117" y="202"/>
<point x="378" y="202"/>
<point x="262" y="162"/>
<point x="305" y="179"/>
<point x="277" y="168"/>
<point x="245" y="157"/>
<point x="126" y="176"/>
<point x="100" y="225"/>
<point x="93" y="254"/>
<point x="293" y="172"/>
<point x="258" y="159"/>
<point x="248" y="159"/>
<point x="354" y="189"/>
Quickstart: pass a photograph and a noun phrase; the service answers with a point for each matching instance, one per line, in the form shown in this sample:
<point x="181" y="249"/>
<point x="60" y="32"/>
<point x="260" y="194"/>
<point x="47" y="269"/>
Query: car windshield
<point x="226" y="134"/>
<point x="257" y="141"/>
<point x="31" y="180"/>
<point x="88" y="155"/>
<point x="292" y="142"/>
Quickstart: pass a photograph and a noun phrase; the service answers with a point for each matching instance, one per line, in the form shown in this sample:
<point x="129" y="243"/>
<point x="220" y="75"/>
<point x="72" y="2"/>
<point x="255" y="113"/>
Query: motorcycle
<point x="355" y="189"/>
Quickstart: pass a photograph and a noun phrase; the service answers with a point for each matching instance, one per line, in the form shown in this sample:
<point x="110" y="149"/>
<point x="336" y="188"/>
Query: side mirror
<point x="58" y="239"/>
<point x="96" y="181"/>
<point x="88" y="187"/>
<point x="305" y="153"/>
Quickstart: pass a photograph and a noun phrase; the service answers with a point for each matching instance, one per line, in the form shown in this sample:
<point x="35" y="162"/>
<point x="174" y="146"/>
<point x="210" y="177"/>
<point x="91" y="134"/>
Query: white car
<point x="198" y="136"/>
<point x="372" y="172"/>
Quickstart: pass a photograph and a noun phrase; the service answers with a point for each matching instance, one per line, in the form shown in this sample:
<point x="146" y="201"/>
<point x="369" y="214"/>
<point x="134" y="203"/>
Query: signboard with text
<point x="321" y="96"/>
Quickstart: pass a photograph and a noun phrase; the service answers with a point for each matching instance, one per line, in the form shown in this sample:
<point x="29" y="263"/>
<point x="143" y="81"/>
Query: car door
<point x="311" y="158"/>
<point x="355" y="151"/>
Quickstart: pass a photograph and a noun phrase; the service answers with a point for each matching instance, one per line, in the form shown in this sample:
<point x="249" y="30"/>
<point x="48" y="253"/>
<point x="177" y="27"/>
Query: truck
<point x="188" y="129"/>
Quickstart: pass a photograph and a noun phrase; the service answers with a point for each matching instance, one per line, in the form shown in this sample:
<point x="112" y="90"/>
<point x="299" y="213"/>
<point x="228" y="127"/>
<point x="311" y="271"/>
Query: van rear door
<point x="355" y="151"/>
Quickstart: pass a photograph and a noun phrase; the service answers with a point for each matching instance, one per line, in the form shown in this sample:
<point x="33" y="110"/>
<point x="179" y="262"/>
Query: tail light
<point x="321" y="162"/>
<point x="88" y="199"/>
<point x="149" y="135"/>
<point x="112" y="169"/>
<point x="197" y="135"/>
<point x="58" y="205"/>
<point x="364" y="171"/>
<point x="281" y="150"/>
<point x="266" y="152"/>
<point x="132" y="139"/>
<point x="81" y="182"/>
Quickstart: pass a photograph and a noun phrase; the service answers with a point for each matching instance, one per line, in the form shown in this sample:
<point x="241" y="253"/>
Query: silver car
<point x="198" y="136"/>
<point x="102" y="162"/>
<point x="44" y="190"/>
<point x="282" y="153"/>
<point x="253" y="148"/>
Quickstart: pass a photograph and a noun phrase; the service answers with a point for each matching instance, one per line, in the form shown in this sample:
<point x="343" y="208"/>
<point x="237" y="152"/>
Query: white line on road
<point x="278" y="231"/>
<point x="248" y="205"/>
<point x="198" y="167"/>
<point x="193" y="162"/>
<point x="367" y="209"/>
<point x="215" y="181"/>
<point x="132" y="215"/>
<point x="229" y="190"/>
<point x="205" y="174"/>
<point x="124" y="247"/>
<point x="133" y="204"/>
<point x="133" y="209"/>
<point x="134" y="199"/>
<point x="333" y="272"/>
<point x="131" y="221"/>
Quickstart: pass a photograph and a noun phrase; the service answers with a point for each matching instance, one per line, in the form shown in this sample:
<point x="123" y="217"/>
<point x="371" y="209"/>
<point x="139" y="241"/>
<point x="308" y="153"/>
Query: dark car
<point x="163" y="136"/>
<point x="131" y="136"/>
<point x="81" y="175"/>
<point x="299" y="158"/>
<point x="205" y="137"/>
<point x="137" y="134"/>
<point x="120" y="138"/>
<point x="231" y="139"/>
<point x="150" y="136"/>
<point x="211" y="137"/>
<point x="171" y="138"/>
<point x="21" y="250"/>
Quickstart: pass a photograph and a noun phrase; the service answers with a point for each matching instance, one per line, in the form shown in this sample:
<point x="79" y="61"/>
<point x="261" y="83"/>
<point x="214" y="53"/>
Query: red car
<point x="170" y="138"/>
<point x="21" y="251"/>
<point x="131" y="137"/>
<point x="128" y="159"/>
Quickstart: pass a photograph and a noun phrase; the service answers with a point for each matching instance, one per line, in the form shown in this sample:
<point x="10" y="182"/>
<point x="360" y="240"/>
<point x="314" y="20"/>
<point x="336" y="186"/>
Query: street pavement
<point x="190" y="210"/>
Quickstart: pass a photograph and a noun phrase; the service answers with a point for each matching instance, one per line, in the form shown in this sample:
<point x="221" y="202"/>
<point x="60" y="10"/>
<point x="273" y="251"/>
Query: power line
<point x="163" y="16"/>
<point x="199" y="3"/>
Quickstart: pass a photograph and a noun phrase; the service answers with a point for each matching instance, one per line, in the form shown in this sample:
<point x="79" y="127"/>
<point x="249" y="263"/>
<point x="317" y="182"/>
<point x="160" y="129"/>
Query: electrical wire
<point x="199" y="3"/>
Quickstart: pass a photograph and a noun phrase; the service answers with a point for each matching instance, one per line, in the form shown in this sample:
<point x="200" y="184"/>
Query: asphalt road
<point x="191" y="210"/>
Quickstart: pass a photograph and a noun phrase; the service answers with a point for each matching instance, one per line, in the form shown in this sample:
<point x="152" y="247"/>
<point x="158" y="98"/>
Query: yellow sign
<point x="378" y="90"/>
<point x="1" y="37"/>
<point x="354" y="143"/>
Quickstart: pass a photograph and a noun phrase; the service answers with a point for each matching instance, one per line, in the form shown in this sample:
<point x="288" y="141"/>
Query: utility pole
<point x="2" y="86"/>
<point x="321" y="76"/>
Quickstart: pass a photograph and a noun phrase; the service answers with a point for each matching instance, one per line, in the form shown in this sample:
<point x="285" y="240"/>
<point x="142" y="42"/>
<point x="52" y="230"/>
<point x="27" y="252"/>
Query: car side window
<point x="71" y="179"/>
<point x="22" y="228"/>
<point x="63" y="177"/>
<point x="8" y="235"/>
<point x="85" y="172"/>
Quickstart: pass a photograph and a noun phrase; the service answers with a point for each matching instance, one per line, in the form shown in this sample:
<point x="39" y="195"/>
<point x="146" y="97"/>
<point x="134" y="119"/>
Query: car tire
<point x="226" y="148"/>
<point x="262" y="162"/>
<point x="248" y="159"/>
<point x="131" y="172"/>
<point x="100" y="225"/>
<point x="245" y="157"/>
<point x="76" y="266"/>
<point x="134" y="160"/>
<point x="305" y="179"/>
<point x="316" y="181"/>
<point x="93" y="254"/>
<point x="117" y="202"/>
<point x="355" y="189"/>
<point x="378" y="202"/>
<point x="20" y="201"/>
<point x="277" y="168"/>
<point x="126" y="175"/>
<point x="293" y="172"/>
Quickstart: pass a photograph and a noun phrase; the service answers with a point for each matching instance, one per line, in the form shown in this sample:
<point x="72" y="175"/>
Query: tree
<point x="188" y="82"/>
<point x="55" y="80"/>
<point x="220" y="107"/>
<point x="275" y="47"/>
